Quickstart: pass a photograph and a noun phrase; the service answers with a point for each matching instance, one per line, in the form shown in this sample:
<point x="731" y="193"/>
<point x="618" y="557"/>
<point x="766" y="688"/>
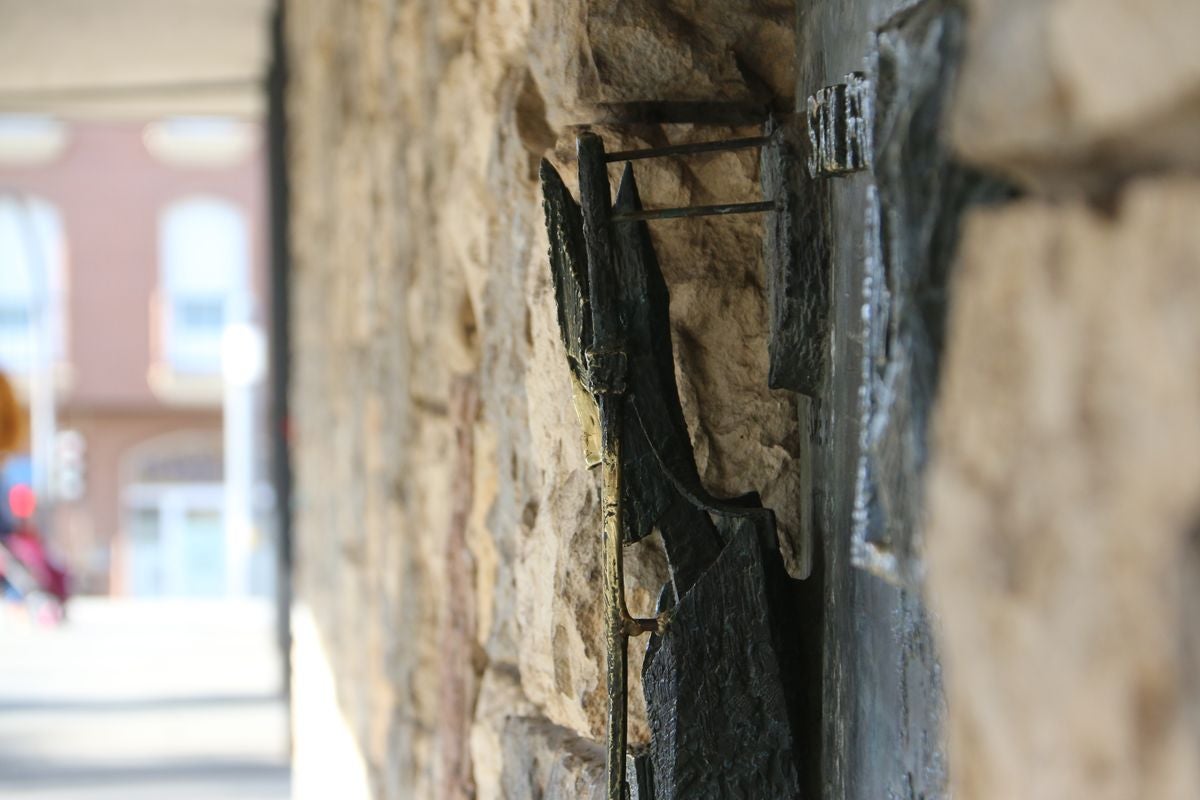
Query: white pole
<point x="242" y="362"/>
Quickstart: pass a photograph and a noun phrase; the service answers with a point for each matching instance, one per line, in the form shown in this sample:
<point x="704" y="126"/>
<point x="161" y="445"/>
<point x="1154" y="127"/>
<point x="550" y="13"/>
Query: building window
<point x="203" y="262"/>
<point x="29" y="140"/>
<point x="31" y="280"/>
<point x="201" y="141"/>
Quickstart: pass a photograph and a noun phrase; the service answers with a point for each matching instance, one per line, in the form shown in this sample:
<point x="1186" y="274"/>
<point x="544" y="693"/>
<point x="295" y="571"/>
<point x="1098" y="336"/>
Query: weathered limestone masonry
<point x="1064" y="495"/>
<point x="432" y="404"/>
<point x="446" y="522"/>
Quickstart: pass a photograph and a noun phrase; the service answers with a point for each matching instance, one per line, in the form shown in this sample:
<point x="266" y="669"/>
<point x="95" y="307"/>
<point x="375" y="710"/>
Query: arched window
<point x="31" y="279"/>
<point x="203" y="262"/>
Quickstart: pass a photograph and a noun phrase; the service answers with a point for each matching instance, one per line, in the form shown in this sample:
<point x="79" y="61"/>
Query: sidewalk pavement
<point x="140" y="700"/>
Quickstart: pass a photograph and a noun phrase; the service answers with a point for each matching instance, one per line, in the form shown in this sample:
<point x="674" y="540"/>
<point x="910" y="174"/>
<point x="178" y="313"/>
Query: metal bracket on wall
<point x="727" y="145"/>
<point x="790" y="296"/>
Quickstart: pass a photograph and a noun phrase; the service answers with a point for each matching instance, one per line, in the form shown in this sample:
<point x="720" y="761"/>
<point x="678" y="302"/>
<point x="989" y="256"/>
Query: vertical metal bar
<point x="595" y="197"/>
<point x="280" y="362"/>
<point x="614" y="585"/>
<point x="606" y="364"/>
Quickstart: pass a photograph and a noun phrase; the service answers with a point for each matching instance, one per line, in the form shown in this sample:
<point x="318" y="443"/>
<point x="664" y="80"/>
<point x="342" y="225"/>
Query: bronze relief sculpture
<point x="716" y="656"/>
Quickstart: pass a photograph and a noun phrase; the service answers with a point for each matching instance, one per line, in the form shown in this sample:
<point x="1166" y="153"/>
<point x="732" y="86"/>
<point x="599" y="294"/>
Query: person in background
<point x="12" y="432"/>
<point x="26" y="569"/>
<point x="11" y="420"/>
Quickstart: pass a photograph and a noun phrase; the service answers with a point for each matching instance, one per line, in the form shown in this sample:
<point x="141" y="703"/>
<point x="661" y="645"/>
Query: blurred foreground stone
<point x="1069" y="95"/>
<point x="1064" y="499"/>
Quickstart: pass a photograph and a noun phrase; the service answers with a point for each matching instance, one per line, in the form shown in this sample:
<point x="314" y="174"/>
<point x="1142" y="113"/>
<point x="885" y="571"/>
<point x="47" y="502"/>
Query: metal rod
<point x="614" y="585"/>
<point x="695" y="211"/>
<point x="687" y="149"/>
<point x="606" y="363"/>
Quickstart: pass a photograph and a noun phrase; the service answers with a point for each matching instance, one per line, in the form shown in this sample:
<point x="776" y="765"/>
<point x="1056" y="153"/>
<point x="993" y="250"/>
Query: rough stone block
<point x="631" y="57"/>
<point x="1063" y="500"/>
<point x="1071" y="93"/>
<point x="549" y="762"/>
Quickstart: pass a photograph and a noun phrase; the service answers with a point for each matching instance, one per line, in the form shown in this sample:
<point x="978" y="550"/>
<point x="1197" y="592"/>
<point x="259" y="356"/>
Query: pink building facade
<point x="159" y="245"/>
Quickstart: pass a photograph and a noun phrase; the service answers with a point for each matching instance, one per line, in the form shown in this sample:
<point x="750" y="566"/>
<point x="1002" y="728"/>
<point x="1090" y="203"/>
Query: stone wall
<point x="1065" y="488"/>
<point x="447" y="557"/>
<point x="447" y="540"/>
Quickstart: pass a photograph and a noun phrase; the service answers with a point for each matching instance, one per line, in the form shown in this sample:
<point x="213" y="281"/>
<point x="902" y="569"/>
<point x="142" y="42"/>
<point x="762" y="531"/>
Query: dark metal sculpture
<point x="888" y="195"/>
<point x="913" y="215"/>
<point x="716" y="698"/>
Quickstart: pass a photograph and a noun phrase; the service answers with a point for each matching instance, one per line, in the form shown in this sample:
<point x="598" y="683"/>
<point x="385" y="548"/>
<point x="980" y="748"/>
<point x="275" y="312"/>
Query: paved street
<point x="176" y="700"/>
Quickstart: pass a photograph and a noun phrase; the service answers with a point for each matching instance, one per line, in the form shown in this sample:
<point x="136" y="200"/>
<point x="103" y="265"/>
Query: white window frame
<point x="182" y="279"/>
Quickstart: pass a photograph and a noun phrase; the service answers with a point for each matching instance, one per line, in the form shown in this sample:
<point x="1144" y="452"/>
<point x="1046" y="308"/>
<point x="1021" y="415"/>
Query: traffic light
<point x="70" y="466"/>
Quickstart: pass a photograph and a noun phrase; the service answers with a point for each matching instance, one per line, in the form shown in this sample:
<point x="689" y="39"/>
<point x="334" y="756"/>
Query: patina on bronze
<point x="715" y="615"/>
<point x="585" y="285"/>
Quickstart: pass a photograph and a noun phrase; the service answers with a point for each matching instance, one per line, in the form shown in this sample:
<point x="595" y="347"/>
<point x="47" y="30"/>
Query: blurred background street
<point x="142" y="421"/>
<point x="143" y="700"/>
